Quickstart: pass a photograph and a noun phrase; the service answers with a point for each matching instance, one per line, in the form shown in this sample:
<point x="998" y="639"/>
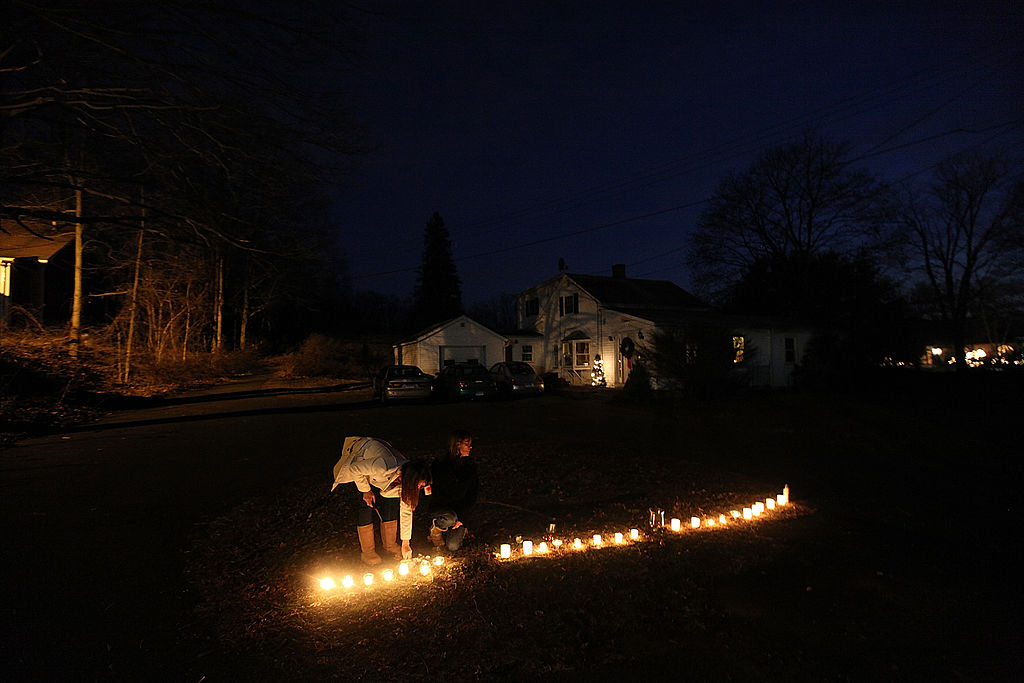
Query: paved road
<point x="96" y="521"/>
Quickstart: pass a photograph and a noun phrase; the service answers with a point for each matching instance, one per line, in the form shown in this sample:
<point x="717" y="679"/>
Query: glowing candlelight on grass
<point x="388" y="574"/>
<point x="597" y="539"/>
<point x="757" y="508"/>
<point x="438" y="561"/>
<point x="527" y="547"/>
<point x="634" y="534"/>
<point x="748" y="513"/>
<point x="735" y="514"/>
<point x="769" y="503"/>
<point x="557" y="542"/>
<point x="711" y="521"/>
<point x="695" y="522"/>
<point x="542" y="547"/>
<point x="506" y="550"/>
<point x="721" y="519"/>
<point x="780" y="500"/>
<point x="577" y="544"/>
<point x="347" y="582"/>
<point x="424" y="567"/>
<point x="328" y="584"/>
<point x="675" y="524"/>
<point x="618" y="537"/>
<point x="368" y="578"/>
<point x="403" y="569"/>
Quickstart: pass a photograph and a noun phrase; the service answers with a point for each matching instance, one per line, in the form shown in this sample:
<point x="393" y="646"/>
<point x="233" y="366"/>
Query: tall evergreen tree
<point x="438" y="293"/>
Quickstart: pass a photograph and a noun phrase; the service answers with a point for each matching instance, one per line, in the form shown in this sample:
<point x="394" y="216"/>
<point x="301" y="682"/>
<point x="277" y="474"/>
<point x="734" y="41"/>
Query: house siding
<point x="461" y="337"/>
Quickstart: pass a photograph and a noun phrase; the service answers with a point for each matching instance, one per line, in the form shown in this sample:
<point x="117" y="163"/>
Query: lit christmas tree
<point x="597" y="373"/>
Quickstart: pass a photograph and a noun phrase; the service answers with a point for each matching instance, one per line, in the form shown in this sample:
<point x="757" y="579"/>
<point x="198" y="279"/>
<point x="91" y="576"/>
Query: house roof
<point x="629" y="294"/>
<point x="437" y="327"/>
<point x="41" y="243"/>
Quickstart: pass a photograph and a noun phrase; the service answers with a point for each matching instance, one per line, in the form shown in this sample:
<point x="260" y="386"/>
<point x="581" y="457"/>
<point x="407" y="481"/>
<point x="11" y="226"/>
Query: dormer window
<point x="569" y="304"/>
<point x="531" y="307"/>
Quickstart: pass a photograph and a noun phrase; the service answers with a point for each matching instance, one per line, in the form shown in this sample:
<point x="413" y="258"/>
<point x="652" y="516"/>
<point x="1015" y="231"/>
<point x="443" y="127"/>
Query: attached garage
<point x="459" y="340"/>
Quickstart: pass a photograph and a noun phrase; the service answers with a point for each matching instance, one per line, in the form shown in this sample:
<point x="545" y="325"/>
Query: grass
<point x="892" y="564"/>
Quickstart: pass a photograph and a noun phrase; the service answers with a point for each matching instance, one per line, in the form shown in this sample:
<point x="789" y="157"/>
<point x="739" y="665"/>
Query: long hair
<point x="413" y="472"/>
<point x="454" y="439"/>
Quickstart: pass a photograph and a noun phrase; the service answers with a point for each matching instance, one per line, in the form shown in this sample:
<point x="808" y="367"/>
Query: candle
<point x="675" y="524"/>
<point x="506" y="550"/>
<point x="368" y="578"/>
<point x="438" y="560"/>
<point x="618" y="537"/>
<point x="597" y="539"/>
<point x="769" y="503"/>
<point x="527" y="547"/>
<point x="748" y="513"/>
<point x="403" y="569"/>
<point x="785" y="492"/>
<point x="327" y="584"/>
<point x="542" y="548"/>
<point x="711" y="521"/>
<point x="424" y="568"/>
<point x="389" y="574"/>
<point x="347" y="582"/>
<point x="557" y="542"/>
<point x="634" y="534"/>
<point x="721" y="519"/>
<point x="695" y="522"/>
<point x="735" y="514"/>
<point x="780" y="500"/>
<point x="577" y="544"/>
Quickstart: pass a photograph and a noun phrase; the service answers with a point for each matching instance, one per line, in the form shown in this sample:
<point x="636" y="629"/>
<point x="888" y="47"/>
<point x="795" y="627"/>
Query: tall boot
<point x="366" y="544"/>
<point x="389" y="536"/>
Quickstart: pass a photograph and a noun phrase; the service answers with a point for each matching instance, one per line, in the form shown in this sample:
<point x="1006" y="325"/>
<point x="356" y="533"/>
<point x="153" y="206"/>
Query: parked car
<point x="464" y="380"/>
<point x="396" y="382"/>
<point x="516" y="378"/>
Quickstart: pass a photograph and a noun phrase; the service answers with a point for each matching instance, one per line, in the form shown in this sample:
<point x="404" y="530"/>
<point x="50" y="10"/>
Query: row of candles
<point x="328" y="583"/>
<point x="756" y="509"/>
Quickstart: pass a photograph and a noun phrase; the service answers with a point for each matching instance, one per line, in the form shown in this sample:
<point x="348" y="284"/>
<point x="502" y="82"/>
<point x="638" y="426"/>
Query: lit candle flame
<point x="634" y="534"/>
<point x="597" y="539"/>
<point x="347" y="582"/>
<point x="506" y="550"/>
<point x="577" y="544"/>
<point x="389" y="574"/>
<point x="328" y="584"/>
<point x="438" y="560"/>
<point x="618" y="537"/>
<point x="674" y="524"/>
<point x="368" y="578"/>
<point x="542" y="548"/>
<point x="527" y="547"/>
<point x="748" y="513"/>
<point x="424" y="568"/>
<point x="403" y="569"/>
<point x="695" y="522"/>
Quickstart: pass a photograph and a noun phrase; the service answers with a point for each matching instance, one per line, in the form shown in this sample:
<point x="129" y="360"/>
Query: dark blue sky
<point x="593" y="131"/>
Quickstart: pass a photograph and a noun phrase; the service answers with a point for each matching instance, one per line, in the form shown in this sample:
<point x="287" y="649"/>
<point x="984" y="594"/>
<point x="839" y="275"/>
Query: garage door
<point x="463" y="354"/>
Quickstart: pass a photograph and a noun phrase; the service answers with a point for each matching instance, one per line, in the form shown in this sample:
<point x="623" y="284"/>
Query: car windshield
<point x="474" y="371"/>
<point x="405" y="371"/>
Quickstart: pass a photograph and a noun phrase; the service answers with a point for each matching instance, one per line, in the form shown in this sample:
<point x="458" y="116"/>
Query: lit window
<point x="582" y="354"/>
<point x="738" y="345"/>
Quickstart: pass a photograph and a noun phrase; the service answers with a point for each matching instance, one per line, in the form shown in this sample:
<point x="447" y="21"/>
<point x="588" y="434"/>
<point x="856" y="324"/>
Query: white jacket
<point x="367" y="462"/>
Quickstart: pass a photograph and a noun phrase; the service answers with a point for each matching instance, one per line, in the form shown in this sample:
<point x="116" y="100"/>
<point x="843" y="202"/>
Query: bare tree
<point x="797" y="201"/>
<point x="966" y="240"/>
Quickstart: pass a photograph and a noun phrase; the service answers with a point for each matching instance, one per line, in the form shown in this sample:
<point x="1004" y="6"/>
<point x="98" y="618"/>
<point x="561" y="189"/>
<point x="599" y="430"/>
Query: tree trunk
<point x="132" y="306"/>
<point x="76" y="301"/>
<point x="218" y="307"/>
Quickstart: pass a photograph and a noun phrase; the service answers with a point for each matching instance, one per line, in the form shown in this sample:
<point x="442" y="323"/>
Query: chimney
<point x="619" y="270"/>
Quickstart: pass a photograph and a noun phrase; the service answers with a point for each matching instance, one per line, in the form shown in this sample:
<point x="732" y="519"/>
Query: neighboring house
<point x="24" y="258"/>
<point x="460" y="339"/>
<point x="577" y="319"/>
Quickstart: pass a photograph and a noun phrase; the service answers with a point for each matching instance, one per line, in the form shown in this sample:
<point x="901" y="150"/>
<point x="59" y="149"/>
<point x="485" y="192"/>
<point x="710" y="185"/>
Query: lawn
<point x="893" y="561"/>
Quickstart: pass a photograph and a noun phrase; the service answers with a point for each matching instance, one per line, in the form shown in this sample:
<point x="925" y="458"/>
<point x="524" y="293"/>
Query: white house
<point x="24" y="255"/>
<point x="578" y="319"/>
<point x="460" y="339"/>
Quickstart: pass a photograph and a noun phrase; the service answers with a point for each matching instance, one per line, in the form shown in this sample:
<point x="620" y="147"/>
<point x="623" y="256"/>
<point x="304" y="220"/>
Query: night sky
<point x="594" y="132"/>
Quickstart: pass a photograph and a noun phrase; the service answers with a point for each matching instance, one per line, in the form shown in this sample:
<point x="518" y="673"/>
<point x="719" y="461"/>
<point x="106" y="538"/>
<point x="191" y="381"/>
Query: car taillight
<point x="462" y="384"/>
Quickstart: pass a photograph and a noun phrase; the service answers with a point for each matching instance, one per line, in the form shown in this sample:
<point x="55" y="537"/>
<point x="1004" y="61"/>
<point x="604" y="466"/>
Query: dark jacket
<point x="454" y="485"/>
